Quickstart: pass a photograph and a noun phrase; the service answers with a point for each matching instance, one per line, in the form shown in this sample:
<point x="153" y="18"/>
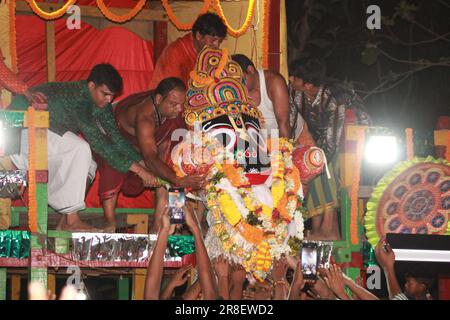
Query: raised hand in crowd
<point x="37" y="291"/>
<point x="280" y="284"/>
<point x="335" y="281"/>
<point x="298" y="283"/>
<point x="206" y="276"/>
<point x="320" y="290"/>
<point x="237" y="275"/>
<point x="222" y="267"/>
<point x="156" y="264"/>
<point x="258" y="291"/>
<point x="358" y="291"/>
<point x="386" y="258"/>
<point x="178" y="279"/>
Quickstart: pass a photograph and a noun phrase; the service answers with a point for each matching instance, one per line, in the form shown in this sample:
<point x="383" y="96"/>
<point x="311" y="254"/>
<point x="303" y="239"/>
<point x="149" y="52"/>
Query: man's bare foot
<point x="110" y="226"/>
<point x="75" y="225"/>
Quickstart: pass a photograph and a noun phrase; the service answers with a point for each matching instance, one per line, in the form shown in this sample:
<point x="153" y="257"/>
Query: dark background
<point x="408" y="59"/>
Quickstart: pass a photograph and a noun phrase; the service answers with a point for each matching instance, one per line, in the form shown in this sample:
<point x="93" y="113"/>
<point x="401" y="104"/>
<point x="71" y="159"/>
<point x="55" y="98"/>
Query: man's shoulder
<point x="184" y="41"/>
<point x="274" y="79"/>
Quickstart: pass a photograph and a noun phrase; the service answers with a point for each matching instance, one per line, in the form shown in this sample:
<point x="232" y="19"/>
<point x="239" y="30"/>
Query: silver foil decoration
<point x="12" y="183"/>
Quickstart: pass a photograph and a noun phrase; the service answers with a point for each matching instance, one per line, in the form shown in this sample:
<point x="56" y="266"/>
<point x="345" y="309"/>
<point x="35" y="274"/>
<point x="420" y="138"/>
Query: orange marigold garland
<point x="32" y="203"/>
<point x="265" y="36"/>
<point x="179" y="25"/>
<point x="52" y="15"/>
<point x="248" y="19"/>
<point x="12" y="35"/>
<point x="124" y="18"/>
<point x="355" y="187"/>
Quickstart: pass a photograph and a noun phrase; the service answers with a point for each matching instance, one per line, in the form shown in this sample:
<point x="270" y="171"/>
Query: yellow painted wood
<point x="139" y="283"/>
<point x="41" y="150"/>
<point x="15" y="287"/>
<point x="140" y="221"/>
<point x="51" y="283"/>
<point x="351" y="132"/>
<point x="41" y="119"/>
<point x="51" y="51"/>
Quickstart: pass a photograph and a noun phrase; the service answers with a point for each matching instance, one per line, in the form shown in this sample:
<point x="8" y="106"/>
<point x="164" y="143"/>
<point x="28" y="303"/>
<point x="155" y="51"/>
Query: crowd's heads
<point x="104" y="83"/>
<point x="169" y="97"/>
<point x="210" y="30"/>
<point x="307" y="72"/>
<point x="417" y="287"/>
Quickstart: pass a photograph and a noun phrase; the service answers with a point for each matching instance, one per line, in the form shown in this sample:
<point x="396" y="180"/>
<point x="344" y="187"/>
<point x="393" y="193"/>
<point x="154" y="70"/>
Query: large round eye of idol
<point x="214" y="61"/>
<point x="226" y="135"/>
<point x="232" y="69"/>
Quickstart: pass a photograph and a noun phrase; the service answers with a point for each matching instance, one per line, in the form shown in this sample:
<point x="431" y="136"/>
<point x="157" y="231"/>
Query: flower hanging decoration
<point x="248" y="19"/>
<point x="50" y="15"/>
<point x="179" y="25"/>
<point x="123" y="18"/>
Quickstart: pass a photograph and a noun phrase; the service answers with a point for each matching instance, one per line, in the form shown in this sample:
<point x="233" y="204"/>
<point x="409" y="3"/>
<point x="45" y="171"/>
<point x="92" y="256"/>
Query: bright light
<point x="381" y="149"/>
<point x="422" y="255"/>
<point x="81" y="296"/>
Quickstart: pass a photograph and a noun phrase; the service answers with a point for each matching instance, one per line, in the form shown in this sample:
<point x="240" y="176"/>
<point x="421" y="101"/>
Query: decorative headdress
<point x="216" y="89"/>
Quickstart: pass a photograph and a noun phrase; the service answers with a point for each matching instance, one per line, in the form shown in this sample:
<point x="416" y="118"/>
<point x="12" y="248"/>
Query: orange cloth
<point x="177" y="60"/>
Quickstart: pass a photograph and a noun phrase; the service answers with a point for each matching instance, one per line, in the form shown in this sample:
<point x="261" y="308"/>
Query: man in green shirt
<point x="81" y="107"/>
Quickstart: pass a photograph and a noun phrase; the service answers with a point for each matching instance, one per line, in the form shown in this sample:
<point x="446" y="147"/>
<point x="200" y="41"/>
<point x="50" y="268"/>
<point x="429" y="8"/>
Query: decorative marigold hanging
<point x="179" y="25"/>
<point x="248" y="19"/>
<point x="53" y="15"/>
<point x="124" y="18"/>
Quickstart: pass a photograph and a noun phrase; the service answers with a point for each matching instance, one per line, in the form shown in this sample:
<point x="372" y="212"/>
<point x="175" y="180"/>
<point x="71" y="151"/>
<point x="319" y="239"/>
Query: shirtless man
<point x="146" y="120"/>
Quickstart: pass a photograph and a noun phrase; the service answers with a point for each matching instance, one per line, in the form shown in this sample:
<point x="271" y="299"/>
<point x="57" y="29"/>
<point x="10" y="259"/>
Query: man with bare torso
<point x="147" y="120"/>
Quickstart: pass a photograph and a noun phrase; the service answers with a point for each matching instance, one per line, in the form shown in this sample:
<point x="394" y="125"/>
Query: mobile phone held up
<point x="309" y="260"/>
<point x="176" y="204"/>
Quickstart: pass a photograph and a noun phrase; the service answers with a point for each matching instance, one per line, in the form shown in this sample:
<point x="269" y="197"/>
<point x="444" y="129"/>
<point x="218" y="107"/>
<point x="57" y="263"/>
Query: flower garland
<point x="179" y="25"/>
<point x="12" y="35"/>
<point x="53" y="15"/>
<point x="32" y="203"/>
<point x="265" y="36"/>
<point x="248" y="19"/>
<point x="250" y="231"/>
<point x="355" y="187"/>
<point x="124" y="18"/>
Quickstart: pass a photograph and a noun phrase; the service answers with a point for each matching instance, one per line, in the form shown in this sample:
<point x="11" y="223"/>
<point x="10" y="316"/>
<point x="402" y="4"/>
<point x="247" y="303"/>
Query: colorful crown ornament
<point x="309" y="160"/>
<point x="216" y="89"/>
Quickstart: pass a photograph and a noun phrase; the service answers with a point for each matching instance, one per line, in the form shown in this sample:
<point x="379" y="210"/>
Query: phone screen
<point x="309" y="260"/>
<point x="176" y="204"/>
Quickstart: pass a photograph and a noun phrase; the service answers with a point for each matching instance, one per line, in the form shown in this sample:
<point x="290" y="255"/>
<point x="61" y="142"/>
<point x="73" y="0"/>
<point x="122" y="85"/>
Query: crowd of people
<point x="130" y="142"/>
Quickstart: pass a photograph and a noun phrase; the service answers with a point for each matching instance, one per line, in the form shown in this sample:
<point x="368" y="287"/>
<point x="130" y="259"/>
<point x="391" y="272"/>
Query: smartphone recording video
<point x="309" y="260"/>
<point x="176" y="203"/>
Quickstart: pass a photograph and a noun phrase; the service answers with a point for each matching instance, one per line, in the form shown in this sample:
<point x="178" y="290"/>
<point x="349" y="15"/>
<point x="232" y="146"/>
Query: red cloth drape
<point x="77" y="51"/>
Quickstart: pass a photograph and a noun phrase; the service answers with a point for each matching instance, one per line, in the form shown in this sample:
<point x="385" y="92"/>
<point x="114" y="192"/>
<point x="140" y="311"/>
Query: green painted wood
<point x="42" y="207"/>
<point x="3" y="283"/>
<point x="12" y="119"/>
<point x="62" y="245"/>
<point x="352" y="273"/>
<point x="39" y="275"/>
<point x="123" y="288"/>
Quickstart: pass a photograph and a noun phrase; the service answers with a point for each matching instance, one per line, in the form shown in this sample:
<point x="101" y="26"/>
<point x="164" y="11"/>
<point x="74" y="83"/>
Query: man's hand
<point x="191" y="219"/>
<point x="37" y="99"/>
<point x="238" y="274"/>
<point x="279" y="269"/>
<point x="221" y="266"/>
<point x="165" y="222"/>
<point x="195" y="182"/>
<point x="148" y="178"/>
<point x="385" y="255"/>
<point x="180" y="277"/>
<point x="335" y="281"/>
<point x="298" y="279"/>
<point x="260" y="291"/>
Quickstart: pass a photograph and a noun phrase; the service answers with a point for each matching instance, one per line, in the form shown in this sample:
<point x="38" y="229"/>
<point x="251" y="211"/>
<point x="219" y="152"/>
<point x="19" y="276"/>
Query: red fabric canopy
<point x="77" y="51"/>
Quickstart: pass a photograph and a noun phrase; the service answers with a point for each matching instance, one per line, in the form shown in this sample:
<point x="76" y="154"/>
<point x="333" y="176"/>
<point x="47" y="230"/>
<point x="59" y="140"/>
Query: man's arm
<point x="359" y="291"/>
<point x="156" y="264"/>
<point x="145" y="134"/>
<point x="386" y="258"/>
<point x="205" y="271"/>
<point x="278" y="93"/>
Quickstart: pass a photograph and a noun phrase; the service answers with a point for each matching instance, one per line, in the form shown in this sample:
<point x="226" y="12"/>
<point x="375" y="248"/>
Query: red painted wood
<point x="274" y="36"/>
